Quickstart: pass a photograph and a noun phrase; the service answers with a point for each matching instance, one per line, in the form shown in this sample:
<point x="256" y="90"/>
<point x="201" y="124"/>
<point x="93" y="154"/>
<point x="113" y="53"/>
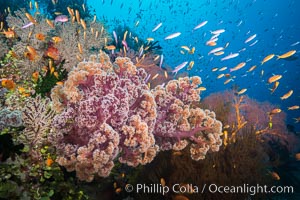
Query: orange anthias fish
<point x="296" y="107"/>
<point x="56" y="39"/>
<point x="52" y="52"/>
<point x="286" y="55"/>
<point x="275" y="86"/>
<point x="35" y="76"/>
<point x="275" y="111"/>
<point x="50" y="23"/>
<point x="274" y="78"/>
<point x="40" y="36"/>
<point x="275" y="176"/>
<point x="10" y="33"/>
<point x="31" y="50"/>
<point x="297" y="156"/>
<point x="239" y="66"/>
<point x="267" y="58"/>
<point x="30" y="18"/>
<point x="31" y="54"/>
<point x="211" y="43"/>
<point x="49" y="162"/>
<point x="8" y="84"/>
<point x="110" y="47"/>
<point x="287" y="95"/>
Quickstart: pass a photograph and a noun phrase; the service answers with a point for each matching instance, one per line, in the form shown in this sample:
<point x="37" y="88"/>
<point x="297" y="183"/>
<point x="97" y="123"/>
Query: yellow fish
<point x="70" y="11"/>
<point x="275" y="176"/>
<point x="8" y="84"/>
<point x="201" y="88"/>
<point x="177" y="153"/>
<point x="118" y="190"/>
<point x="191" y="64"/>
<point x="252" y="68"/>
<point x="150" y="39"/>
<point x="110" y="47"/>
<point x="274" y="78"/>
<point x="36" y="5"/>
<point x="220" y="76"/>
<point x="219" y="53"/>
<point x="59" y="83"/>
<point x="35" y="76"/>
<point x="77" y="15"/>
<point x="275" y="86"/>
<point x="162" y="182"/>
<point x="155" y="76"/>
<point x="275" y="111"/>
<point x="125" y="35"/>
<point x="286" y="55"/>
<point x="166" y="74"/>
<point x="192" y="51"/>
<point x="287" y="95"/>
<point x="185" y="48"/>
<point x="225" y="138"/>
<point x="227" y="81"/>
<point x="50" y="23"/>
<point x="223" y="69"/>
<point x="297" y="156"/>
<point x="267" y="58"/>
<point x="180" y="197"/>
<point x="214" y="69"/>
<point x="242" y="91"/>
<point x="239" y="66"/>
<point x="57" y="39"/>
<point x="30" y="18"/>
<point x="293" y="107"/>
<point x="80" y="48"/>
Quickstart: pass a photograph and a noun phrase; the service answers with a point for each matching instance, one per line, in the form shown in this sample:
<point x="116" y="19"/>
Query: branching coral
<point x="37" y="118"/>
<point x="77" y="43"/>
<point x="19" y="19"/>
<point x="178" y="121"/>
<point x="104" y="102"/>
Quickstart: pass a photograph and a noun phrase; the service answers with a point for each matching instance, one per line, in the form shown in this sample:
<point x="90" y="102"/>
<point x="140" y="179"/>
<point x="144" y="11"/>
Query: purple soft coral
<point x="111" y="104"/>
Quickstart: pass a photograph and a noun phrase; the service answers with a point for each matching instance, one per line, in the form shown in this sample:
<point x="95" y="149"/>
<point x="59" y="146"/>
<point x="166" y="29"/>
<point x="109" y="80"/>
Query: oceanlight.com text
<point x="250" y="189"/>
<point x="211" y="188"/>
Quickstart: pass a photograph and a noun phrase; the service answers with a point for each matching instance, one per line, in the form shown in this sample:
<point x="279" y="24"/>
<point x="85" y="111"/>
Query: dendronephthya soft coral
<point x="106" y="111"/>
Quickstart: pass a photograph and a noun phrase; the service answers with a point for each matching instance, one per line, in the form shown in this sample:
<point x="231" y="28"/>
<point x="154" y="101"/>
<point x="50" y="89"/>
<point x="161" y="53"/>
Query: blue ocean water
<point x="275" y="22"/>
